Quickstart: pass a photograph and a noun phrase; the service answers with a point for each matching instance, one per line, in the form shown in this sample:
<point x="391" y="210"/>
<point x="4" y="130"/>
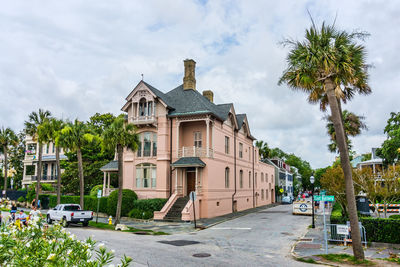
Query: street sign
<point x="192" y="196"/>
<point x="342" y="229"/>
<point x="324" y="198"/>
<point x="99" y="193"/>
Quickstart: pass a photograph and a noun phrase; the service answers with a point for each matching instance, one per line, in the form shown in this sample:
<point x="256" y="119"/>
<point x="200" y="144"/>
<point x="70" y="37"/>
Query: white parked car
<point x="69" y="213"/>
<point x="287" y="200"/>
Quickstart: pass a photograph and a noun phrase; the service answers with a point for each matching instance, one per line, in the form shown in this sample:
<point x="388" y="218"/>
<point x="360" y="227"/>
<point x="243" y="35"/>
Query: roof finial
<point x="142" y="76"/>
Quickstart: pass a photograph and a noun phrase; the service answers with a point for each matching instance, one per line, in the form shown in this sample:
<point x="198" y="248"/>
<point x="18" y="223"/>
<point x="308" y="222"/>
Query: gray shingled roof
<point x="240" y="119"/>
<point x="111" y="166"/>
<point x="159" y="94"/>
<point x="189" y="162"/>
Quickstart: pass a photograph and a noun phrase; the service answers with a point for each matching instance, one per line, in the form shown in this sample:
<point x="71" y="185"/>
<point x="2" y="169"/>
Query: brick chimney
<point x="189" y="80"/>
<point x="209" y="95"/>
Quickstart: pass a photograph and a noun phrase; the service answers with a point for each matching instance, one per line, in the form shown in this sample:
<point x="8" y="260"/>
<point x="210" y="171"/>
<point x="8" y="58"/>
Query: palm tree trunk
<point x="5" y="170"/>
<point x="345" y="163"/>
<point x="120" y="183"/>
<point x="81" y="178"/>
<point x="58" y="169"/>
<point x="39" y="174"/>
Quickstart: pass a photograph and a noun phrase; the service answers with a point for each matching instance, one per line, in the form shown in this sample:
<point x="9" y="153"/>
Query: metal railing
<point x="143" y="119"/>
<point x="192" y="151"/>
<point x="345" y="238"/>
<point x="45" y="178"/>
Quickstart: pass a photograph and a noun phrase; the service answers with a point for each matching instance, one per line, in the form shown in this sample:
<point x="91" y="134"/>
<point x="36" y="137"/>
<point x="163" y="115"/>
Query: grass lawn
<point x="107" y="226"/>
<point x="345" y="258"/>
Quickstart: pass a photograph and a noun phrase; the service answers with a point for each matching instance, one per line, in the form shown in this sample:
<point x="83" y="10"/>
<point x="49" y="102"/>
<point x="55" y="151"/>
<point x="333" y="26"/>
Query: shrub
<point x="336" y="215"/>
<point x="382" y="230"/>
<point x="135" y="213"/>
<point x="147" y="215"/>
<point x="21" y="199"/>
<point x="44" y="201"/>
<point x="395" y="217"/>
<point x="154" y="204"/>
<point x="47" y="187"/>
<point x="128" y="198"/>
<point x="51" y="246"/>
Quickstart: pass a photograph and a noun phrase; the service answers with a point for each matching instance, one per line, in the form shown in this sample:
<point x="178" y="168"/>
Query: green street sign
<point x="324" y="198"/>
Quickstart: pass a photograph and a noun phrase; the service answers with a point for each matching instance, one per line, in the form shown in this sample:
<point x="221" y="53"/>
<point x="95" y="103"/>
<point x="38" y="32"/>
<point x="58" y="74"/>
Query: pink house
<point x="189" y="143"/>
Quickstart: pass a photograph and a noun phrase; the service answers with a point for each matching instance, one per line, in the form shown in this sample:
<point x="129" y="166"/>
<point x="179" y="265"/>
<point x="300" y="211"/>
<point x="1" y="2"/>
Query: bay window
<point x="146" y="175"/>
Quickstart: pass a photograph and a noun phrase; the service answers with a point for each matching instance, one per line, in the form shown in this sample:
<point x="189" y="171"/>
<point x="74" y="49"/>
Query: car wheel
<point x="64" y="222"/>
<point x="85" y="224"/>
<point x="49" y="220"/>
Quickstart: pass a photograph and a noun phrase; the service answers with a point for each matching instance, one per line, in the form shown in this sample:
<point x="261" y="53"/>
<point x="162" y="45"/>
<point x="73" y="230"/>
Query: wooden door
<point x="190" y="182"/>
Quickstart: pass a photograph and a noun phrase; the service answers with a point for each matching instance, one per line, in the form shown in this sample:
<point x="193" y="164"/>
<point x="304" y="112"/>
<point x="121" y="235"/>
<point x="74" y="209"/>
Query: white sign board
<point x="342" y="229"/>
<point x="99" y="193"/>
<point x="302" y="208"/>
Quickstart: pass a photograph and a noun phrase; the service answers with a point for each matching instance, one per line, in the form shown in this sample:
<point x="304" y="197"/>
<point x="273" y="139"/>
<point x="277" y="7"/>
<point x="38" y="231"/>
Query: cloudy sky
<point x="76" y="58"/>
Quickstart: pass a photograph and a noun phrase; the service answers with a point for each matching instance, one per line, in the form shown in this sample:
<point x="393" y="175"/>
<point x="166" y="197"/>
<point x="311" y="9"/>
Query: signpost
<point x="324" y="198"/>
<point x="98" y="204"/>
<point x="193" y="196"/>
<point x="342" y="229"/>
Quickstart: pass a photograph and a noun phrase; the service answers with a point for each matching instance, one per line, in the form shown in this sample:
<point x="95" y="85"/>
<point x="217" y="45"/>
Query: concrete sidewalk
<point x="313" y="244"/>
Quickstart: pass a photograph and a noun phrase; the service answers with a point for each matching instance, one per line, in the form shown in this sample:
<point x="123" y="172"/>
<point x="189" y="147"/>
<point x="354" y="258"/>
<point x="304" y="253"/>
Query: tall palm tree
<point x="50" y="130"/>
<point x="7" y="137"/>
<point x="329" y="65"/>
<point x="31" y="128"/>
<point x="263" y="149"/>
<point x="73" y="137"/>
<point x="352" y="123"/>
<point x="120" y="135"/>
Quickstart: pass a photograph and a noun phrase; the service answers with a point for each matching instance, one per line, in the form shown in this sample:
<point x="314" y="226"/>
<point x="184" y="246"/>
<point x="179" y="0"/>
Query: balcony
<point x="193" y="151"/>
<point x="140" y="120"/>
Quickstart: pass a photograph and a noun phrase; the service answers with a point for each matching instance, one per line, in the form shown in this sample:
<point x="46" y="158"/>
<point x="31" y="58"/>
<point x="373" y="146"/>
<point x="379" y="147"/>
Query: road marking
<point x="230" y="228"/>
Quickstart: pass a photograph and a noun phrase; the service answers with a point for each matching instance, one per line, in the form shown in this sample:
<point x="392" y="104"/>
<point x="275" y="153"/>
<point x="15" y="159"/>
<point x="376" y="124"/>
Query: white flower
<point x="112" y="251"/>
<point x="69" y="251"/>
<point x="101" y="245"/>
<point x="51" y="256"/>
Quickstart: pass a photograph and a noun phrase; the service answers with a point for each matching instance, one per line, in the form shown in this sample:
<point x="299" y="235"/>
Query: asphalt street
<point x="263" y="238"/>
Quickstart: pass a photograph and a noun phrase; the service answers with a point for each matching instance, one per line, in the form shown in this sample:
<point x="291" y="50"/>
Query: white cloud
<point x="77" y="58"/>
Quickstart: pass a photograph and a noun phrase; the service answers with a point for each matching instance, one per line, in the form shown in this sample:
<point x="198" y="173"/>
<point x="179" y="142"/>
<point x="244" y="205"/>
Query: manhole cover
<point x="179" y="243"/>
<point x="201" y="255"/>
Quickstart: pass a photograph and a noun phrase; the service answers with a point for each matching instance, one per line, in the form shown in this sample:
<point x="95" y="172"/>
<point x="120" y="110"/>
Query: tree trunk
<point x="39" y="174"/>
<point x="81" y="178"/>
<point x="58" y="170"/>
<point x="5" y="170"/>
<point x="120" y="151"/>
<point x="345" y="163"/>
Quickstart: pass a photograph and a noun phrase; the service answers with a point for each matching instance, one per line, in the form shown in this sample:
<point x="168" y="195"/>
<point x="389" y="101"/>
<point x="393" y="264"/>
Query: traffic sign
<point x="324" y="198"/>
<point x="99" y="193"/>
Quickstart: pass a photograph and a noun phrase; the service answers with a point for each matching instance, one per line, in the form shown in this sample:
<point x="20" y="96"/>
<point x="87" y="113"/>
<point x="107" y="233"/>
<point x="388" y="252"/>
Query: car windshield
<point x="71" y="208"/>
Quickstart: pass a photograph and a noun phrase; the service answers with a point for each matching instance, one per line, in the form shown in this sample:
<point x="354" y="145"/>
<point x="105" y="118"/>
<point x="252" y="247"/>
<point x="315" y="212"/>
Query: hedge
<point x="128" y="197"/>
<point x="386" y="230"/>
<point x="89" y="202"/>
<point x="144" y="208"/>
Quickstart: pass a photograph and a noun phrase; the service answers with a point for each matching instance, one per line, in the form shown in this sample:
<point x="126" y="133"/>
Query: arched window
<point x="241" y="178"/>
<point x="266" y="177"/>
<point x="249" y="179"/>
<point x="146" y="175"/>
<point x="262" y="177"/>
<point x="226" y="177"/>
<point x="142" y="107"/>
<point x="266" y="194"/>
<point x="262" y="194"/>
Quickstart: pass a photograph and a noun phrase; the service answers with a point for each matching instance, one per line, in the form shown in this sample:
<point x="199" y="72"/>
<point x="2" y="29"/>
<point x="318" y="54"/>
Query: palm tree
<point x="73" y="137"/>
<point x="31" y="128"/>
<point x="50" y="130"/>
<point x="352" y="124"/>
<point x="263" y="149"/>
<point x="7" y="137"/>
<point x="330" y="67"/>
<point x="120" y="135"/>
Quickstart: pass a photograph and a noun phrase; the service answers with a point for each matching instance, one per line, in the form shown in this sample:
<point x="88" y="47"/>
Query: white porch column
<point x="137" y="109"/>
<point x="108" y="187"/>
<point x="177" y="138"/>
<point x="133" y="111"/>
<point x="208" y="137"/>
<point x="195" y="188"/>
<point x="176" y="180"/>
<point x="104" y="184"/>
<point x="373" y="167"/>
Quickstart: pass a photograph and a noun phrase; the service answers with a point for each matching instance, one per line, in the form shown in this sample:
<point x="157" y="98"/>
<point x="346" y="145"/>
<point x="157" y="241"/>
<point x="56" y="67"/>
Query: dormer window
<point x="145" y="108"/>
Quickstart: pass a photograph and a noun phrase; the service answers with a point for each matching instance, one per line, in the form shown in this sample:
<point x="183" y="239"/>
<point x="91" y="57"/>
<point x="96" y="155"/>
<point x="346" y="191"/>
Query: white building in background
<point x="49" y="167"/>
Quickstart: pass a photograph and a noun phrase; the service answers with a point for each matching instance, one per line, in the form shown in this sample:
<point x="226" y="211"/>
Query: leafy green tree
<point x="100" y="122"/>
<point x="329" y="65"/>
<point x="31" y="128"/>
<point x="278" y="153"/>
<point x="303" y="167"/>
<point x="390" y="147"/>
<point x="17" y="155"/>
<point x="352" y="123"/>
<point x="50" y="130"/>
<point x="73" y="137"/>
<point x="7" y="138"/>
<point x="263" y="149"/>
<point x="120" y="135"/>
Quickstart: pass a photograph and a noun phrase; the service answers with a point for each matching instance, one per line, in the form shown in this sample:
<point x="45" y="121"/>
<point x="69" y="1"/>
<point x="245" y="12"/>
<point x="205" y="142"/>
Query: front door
<point x="190" y="182"/>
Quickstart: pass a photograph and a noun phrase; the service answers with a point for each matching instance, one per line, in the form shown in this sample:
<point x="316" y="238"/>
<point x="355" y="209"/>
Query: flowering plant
<point x="42" y="245"/>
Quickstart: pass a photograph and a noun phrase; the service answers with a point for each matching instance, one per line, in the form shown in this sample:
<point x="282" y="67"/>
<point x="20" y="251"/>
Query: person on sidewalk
<point x="35" y="214"/>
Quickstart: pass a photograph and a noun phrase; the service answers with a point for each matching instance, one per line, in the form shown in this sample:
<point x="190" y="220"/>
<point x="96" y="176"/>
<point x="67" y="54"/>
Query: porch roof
<point x="112" y="166"/>
<point x="189" y="162"/>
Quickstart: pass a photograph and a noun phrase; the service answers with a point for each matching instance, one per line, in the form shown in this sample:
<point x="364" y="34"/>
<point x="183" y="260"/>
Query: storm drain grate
<point x="306" y="239"/>
<point x="179" y="243"/>
<point x="286" y="233"/>
<point x="201" y="255"/>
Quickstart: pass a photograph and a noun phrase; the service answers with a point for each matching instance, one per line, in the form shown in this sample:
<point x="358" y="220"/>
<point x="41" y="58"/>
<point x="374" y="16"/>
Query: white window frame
<point x="197" y="139"/>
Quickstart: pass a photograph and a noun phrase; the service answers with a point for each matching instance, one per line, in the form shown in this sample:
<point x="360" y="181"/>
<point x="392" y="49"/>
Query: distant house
<point x="49" y="168"/>
<point x="285" y="176"/>
<point x="375" y="163"/>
